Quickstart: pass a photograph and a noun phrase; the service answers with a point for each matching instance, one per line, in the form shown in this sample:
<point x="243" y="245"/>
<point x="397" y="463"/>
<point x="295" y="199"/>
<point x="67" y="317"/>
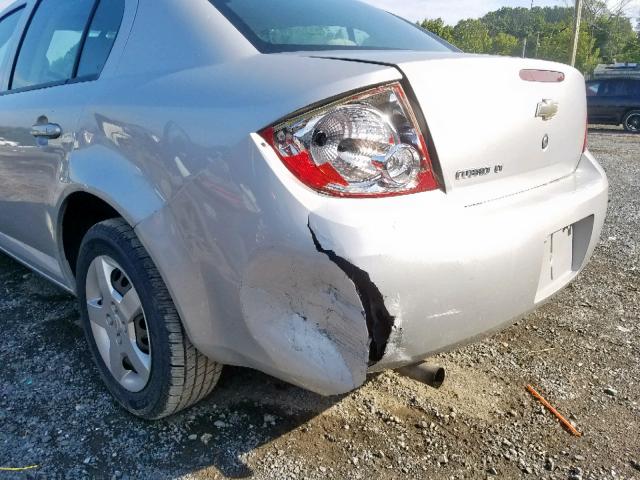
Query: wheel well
<point x="81" y="212"/>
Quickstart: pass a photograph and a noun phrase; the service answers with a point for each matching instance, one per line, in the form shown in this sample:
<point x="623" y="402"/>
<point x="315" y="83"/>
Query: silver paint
<point x="168" y="140"/>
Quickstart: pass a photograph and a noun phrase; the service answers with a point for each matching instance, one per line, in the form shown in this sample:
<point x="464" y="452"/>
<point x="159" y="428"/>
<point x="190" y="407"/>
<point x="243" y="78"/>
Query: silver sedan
<point x="317" y="190"/>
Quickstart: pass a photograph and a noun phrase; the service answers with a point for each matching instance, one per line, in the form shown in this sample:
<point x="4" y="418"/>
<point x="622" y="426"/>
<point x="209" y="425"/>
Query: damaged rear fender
<point x="307" y="317"/>
<point x="380" y="322"/>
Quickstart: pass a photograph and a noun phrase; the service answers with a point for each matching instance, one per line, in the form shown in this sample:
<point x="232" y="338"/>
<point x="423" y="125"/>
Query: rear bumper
<point x="450" y="273"/>
<point x="268" y="275"/>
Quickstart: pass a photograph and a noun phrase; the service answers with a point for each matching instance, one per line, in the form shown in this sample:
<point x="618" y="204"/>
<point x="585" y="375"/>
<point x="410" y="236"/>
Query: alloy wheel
<point x="118" y="323"/>
<point x="633" y="122"/>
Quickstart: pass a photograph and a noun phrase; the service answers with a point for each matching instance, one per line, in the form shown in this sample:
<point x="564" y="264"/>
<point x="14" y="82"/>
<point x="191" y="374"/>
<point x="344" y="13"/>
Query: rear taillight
<point x="365" y="145"/>
<point x="544" y="76"/>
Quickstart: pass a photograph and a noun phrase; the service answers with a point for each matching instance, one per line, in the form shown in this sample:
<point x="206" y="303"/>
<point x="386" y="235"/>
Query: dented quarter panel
<point x="249" y="283"/>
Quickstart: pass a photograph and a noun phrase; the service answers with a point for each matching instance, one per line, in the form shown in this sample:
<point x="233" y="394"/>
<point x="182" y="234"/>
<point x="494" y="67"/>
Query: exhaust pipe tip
<point x="431" y="375"/>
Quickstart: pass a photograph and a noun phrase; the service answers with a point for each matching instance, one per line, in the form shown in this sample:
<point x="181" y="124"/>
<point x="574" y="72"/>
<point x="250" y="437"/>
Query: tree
<point x="611" y="28"/>
<point x="517" y="22"/>
<point x="608" y="34"/>
<point x="472" y="36"/>
<point x="557" y="48"/>
<point x="631" y="51"/>
<point x="438" y="27"/>
<point x="505" y="44"/>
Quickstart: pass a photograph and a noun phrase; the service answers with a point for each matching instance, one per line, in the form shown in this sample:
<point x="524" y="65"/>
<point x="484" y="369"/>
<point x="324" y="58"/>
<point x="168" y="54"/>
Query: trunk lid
<point x="487" y="123"/>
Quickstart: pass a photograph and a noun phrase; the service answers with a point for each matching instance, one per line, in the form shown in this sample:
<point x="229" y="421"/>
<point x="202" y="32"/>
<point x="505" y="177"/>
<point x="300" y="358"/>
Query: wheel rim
<point x="633" y="122"/>
<point x="118" y="324"/>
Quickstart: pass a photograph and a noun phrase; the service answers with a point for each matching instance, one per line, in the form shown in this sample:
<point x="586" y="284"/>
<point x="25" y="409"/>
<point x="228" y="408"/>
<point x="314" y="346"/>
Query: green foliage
<point x="517" y="22"/>
<point x="472" y="36"/>
<point x="558" y="48"/>
<point x="438" y="27"/>
<point x="614" y="35"/>
<point x="605" y="36"/>
<point x="505" y="44"/>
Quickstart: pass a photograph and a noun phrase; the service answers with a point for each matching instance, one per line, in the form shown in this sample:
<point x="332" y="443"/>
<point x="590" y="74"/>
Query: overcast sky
<point x="454" y="10"/>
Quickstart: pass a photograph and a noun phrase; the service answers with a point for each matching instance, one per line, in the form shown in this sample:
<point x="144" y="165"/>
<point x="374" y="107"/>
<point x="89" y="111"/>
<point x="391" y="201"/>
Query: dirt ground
<point x="582" y="351"/>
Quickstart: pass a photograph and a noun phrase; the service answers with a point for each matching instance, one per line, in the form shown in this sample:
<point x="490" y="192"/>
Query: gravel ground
<point x="581" y="350"/>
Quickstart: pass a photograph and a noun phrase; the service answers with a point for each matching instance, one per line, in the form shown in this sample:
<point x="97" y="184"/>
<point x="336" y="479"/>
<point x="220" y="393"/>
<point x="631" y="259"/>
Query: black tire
<point x="180" y="376"/>
<point x="631" y="121"/>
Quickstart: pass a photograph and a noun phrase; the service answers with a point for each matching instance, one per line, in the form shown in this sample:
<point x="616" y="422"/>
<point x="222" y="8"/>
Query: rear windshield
<point x="275" y="26"/>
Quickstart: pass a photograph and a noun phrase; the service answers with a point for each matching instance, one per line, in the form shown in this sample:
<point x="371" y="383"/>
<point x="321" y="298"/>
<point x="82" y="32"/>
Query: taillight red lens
<point x="365" y="145"/>
<point x="544" y="76"/>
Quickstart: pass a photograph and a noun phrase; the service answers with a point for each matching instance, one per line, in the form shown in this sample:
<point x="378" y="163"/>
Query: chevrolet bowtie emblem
<point x="547" y="109"/>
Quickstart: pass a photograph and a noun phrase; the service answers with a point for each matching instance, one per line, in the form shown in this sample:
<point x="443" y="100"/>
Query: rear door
<point x="624" y="98"/>
<point x="635" y="95"/>
<point x="614" y="98"/>
<point x="60" y="54"/>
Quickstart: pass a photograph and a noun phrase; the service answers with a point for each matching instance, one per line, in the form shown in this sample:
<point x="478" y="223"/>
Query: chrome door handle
<point x="47" y="130"/>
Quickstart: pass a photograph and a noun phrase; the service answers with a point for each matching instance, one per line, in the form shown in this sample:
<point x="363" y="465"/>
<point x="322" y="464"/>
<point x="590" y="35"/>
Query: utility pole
<point x="576" y="33"/>
<point x="524" y="43"/>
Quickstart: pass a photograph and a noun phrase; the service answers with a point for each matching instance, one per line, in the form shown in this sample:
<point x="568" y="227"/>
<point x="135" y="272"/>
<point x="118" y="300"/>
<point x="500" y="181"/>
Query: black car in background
<point x="615" y="101"/>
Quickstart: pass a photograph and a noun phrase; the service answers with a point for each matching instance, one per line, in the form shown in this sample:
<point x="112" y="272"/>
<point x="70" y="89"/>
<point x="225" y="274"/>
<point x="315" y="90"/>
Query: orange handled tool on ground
<point x="566" y="423"/>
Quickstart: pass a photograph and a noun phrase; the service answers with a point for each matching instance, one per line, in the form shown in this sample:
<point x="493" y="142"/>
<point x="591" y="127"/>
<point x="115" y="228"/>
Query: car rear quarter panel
<point x="172" y="126"/>
<point x="178" y="159"/>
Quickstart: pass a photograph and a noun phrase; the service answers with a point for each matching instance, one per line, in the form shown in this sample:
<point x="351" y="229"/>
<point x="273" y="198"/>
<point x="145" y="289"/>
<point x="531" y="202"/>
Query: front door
<point x="39" y="112"/>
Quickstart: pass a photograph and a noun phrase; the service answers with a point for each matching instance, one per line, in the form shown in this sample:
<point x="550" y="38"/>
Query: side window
<point x="101" y="37"/>
<point x="50" y="47"/>
<point x="361" y="37"/>
<point x="7" y="28"/>
<point x="605" y="89"/>
<point x="614" y="88"/>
